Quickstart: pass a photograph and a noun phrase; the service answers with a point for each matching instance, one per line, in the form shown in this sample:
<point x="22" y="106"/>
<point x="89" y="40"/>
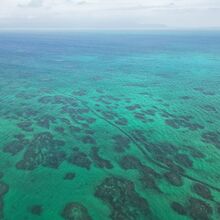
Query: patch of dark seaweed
<point x="147" y="174"/>
<point x="178" y="208"/>
<point x="45" y="99"/>
<point x="74" y="129"/>
<point x="26" y="126"/>
<point x="69" y="176"/>
<point x="45" y="120"/>
<point x="202" y="191"/>
<point x="133" y="107"/>
<point x="204" y="92"/>
<point x="183" y="160"/>
<point x="75" y="211"/>
<point x="81" y="92"/>
<point x="121" y="121"/>
<point x="185" y="97"/>
<point x="59" y="129"/>
<point x="139" y="135"/>
<point x="149" y="182"/>
<point x="141" y="85"/>
<point x="3" y="188"/>
<point x="44" y="150"/>
<point x="212" y="137"/>
<point x="121" y="143"/>
<point x="209" y="108"/>
<point x="150" y="112"/>
<point x="88" y="139"/>
<point x="80" y="159"/>
<point x="1" y="208"/>
<point x="27" y="112"/>
<point x="129" y="162"/>
<point x="54" y="159"/>
<point x="89" y="132"/>
<point x="109" y="115"/>
<point x="82" y="110"/>
<point x="174" y="178"/>
<point x="199" y="210"/>
<point x="15" y="146"/>
<point x="36" y="210"/>
<point x="123" y="200"/>
<point x="90" y="120"/>
<point x="183" y="122"/>
<point x="195" y="153"/>
<point x="140" y="116"/>
<point x="25" y="96"/>
<point x="98" y="160"/>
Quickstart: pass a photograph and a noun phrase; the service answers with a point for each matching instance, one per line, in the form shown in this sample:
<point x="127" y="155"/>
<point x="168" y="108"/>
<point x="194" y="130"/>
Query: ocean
<point x="100" y="125"/>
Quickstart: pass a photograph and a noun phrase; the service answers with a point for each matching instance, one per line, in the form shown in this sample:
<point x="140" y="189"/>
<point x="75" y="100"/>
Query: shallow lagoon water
<point x="110" y="125"/>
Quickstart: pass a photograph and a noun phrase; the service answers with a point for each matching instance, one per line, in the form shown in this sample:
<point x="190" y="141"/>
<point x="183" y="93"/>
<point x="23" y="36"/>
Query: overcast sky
<point x="109" y="13"/>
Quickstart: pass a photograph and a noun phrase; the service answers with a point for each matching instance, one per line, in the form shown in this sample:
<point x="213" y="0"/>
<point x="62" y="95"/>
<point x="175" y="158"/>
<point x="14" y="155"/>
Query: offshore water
<point x="110" y="125"/>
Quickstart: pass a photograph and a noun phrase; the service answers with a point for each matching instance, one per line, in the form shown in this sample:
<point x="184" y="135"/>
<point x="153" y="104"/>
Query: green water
<point x="121" y="126"/>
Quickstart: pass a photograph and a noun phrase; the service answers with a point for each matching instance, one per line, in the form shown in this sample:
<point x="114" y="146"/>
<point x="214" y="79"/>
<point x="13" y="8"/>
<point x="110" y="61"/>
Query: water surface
<point x="110" y="125"/>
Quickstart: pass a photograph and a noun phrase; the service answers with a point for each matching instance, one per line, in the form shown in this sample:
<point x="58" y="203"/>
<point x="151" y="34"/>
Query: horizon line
<point x="111" y="29"/>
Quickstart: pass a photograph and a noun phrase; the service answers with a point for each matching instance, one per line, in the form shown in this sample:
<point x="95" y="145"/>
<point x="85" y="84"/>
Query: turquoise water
<point x="110" y="125"/>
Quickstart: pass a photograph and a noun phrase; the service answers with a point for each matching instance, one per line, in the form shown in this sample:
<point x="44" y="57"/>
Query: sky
<point x="110" y="14"/>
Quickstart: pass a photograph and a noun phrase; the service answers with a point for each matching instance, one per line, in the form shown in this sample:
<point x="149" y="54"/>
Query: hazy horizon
<point x="106" y="14"/>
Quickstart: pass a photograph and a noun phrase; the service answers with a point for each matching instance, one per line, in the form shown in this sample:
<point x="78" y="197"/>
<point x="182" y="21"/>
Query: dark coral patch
<point x="133" y="107"/>
<point x="185" y="97"/>
<point x="25" y="125"/>
<point x="212" y="138"/>
<point x="80" y="92"/>
<point x="195" y="152"/>
<point x="74" y="129"/>
<point x="121" y="143"/>
<point x="3" y="188"/>
<point x="183" y="121"/>
<point x="89" y="132"/>
<point x="123" y="200"/>
<point x="202" y="190"/>
<point x="121" y="121"/>
<point x="199" y="210"/>
<point x="170" y="164"/>
<point x="129" y="162"/>
<point x="183" y="160"/>
<point x="109" y="115"/>
<point x="151" y="112"/>
<point x="45" y="121"/>
<point x="1" y="208"/>
<point x="177" y="207"/>
<point x="36" y="209"/>
<point x="42" y="150"/>
<point x="88" y="140"/>
<point x="98" y="160"/>
<point x="69" y="176"/>
<point x="80" y="159"/>
<point x="16" y="146"/>
<point x="209" y="108"/>
<point x="59" y="129"/>
<point x="147" y="174"/>
<point x="148" y="182"/>
<point x="90" y="120"/>
<point x="173" y="178"/>
<point x="75" y="211"/>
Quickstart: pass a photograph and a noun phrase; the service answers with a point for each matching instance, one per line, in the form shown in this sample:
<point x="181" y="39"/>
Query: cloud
<point x="109" y="13"/>
<point x="142" y="7"/>
<point x="32" y="4"/>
